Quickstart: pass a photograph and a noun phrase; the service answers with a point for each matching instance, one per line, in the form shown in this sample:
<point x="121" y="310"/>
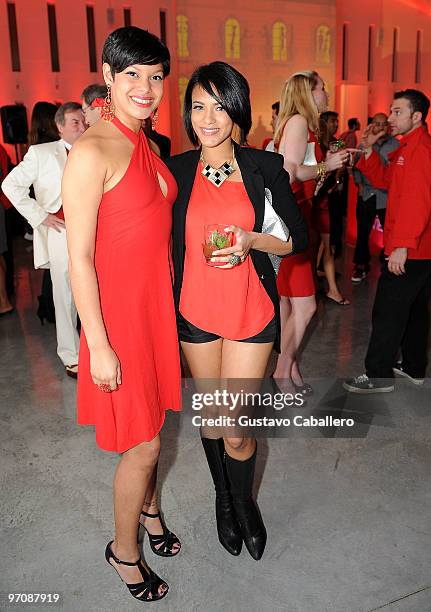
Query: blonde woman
<point x="296" y="138"/>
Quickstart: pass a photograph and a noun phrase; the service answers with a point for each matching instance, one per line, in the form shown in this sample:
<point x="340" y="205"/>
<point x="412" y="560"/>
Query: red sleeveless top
<point x="231" y="303"/>
<point x="304" y="190"/>
<point x="295" y="278"/>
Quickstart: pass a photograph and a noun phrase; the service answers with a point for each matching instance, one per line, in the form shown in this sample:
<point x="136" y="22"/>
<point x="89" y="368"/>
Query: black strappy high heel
<point x="148" y="589"/>
<point x="162" y="545"/>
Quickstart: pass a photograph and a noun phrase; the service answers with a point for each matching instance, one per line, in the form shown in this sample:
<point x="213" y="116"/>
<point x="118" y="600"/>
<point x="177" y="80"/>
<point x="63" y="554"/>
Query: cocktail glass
<point x="215" y="238"/>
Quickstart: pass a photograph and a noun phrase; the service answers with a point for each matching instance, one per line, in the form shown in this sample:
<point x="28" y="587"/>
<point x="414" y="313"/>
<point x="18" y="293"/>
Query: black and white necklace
<point x="217" y="176"/>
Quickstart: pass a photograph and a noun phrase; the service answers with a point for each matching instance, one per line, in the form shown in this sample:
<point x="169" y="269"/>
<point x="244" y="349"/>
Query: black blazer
<point x="259" y="169"/>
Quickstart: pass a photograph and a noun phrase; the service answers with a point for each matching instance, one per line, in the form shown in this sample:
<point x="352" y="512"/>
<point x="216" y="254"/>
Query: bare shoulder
<point x="88" y="161"/>
<point x="297" y="123"/>
<point x="89" y="146"/>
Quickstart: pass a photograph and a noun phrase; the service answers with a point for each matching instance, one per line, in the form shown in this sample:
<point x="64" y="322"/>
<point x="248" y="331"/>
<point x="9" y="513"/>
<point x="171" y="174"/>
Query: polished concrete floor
<point x="348" y="515"/>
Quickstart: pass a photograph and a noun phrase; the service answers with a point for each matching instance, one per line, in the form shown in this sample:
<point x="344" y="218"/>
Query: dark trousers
<point x="10" y="221"/>
<point x="400" y="320"/>
<point x="46" y="309"/>
<point x="365" y="214"/>
<point x="336" y="216"/>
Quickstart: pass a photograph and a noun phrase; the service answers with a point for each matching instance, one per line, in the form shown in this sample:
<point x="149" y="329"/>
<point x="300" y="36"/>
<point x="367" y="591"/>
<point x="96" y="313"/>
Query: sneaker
<point x="358" y="274"/>
<point x="399" y="371"/>
<point x="363" y="384"/>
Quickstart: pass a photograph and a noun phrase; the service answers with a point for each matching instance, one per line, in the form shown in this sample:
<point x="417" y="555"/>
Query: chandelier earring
<point x="154" y="119"/>
<point x="108" y="110"/>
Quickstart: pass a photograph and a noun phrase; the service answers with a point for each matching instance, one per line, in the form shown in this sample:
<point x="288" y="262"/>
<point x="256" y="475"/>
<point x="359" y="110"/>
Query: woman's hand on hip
<point x="105" y="368"/>
<point x="243" y="243"/>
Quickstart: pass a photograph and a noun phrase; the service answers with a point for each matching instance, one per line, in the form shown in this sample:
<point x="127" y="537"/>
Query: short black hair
<point x="226" y="85"/>
<point x="417" y="99"/>
<point x="130" y="45"/>
<point x="327" y="114"/>
<point x="276" y="107"/>
<point x="91" y="92"/>
<point x="352" y="122"/>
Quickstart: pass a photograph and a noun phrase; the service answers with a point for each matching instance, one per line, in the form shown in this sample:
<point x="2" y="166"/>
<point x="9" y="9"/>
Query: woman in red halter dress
<point x="118" y="199"/>
<point x="303" y="98"/>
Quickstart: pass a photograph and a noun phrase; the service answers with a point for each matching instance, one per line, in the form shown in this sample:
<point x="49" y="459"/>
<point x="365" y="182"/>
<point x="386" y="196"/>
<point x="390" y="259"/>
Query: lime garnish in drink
<point x="219" y="240"/>
<point x="336" y="145"/>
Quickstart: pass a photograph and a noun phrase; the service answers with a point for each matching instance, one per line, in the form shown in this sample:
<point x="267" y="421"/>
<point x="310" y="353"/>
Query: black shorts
<point x="188" y="332"/>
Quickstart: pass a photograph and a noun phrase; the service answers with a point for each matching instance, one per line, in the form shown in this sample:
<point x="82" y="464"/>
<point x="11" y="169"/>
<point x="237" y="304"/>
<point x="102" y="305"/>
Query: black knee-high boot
<point x="228" y="529"/>
<point x="241" y="476"/>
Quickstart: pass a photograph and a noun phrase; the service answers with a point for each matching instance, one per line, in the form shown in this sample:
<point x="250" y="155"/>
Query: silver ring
<point x="235" y="260"/>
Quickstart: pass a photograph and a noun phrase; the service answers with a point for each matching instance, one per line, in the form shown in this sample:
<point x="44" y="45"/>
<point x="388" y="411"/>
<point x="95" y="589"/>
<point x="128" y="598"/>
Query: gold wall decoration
<point x="279" y="41"/>
<point x="182" y="86"/>
<point x="323" y="45"/>
<point x="183" y="36"/>
<point x="232" y="37"/>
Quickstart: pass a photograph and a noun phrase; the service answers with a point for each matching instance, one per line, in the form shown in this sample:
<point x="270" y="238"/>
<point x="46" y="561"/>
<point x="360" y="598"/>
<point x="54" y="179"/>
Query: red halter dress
<point x="295" y="277"/>
<point x="132" y="261"/>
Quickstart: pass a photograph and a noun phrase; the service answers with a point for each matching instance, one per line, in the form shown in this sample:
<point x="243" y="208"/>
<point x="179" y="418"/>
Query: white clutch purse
<point x="274" y="225"/>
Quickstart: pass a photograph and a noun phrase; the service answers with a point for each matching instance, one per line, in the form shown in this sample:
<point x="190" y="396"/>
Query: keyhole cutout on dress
<point x="163" y="185"/>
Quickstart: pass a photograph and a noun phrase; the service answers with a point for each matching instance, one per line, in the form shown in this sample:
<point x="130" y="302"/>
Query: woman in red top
<point x="228" y="315"/>
<point x="320" y="220"/>
<point x="303" y="98"/>
<point x="5" y="305"/>
<point x="118" y="199"/>
<point x="44" y="129"/>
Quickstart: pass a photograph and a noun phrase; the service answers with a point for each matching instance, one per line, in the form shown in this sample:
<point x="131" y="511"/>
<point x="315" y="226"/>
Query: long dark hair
<point x="42" y="125"/>
<point x="231" y="90"/>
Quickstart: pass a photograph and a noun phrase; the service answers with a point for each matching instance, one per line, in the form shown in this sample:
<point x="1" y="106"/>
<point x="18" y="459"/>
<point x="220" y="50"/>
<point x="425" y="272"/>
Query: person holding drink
<point x="225" y="285"/>
<point x="118" y="198"/>
<point x="296" y="138"/>
<point x="321" y="214"/>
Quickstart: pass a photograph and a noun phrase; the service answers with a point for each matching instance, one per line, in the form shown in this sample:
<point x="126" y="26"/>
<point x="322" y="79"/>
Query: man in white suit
<point x="43" y="167"/>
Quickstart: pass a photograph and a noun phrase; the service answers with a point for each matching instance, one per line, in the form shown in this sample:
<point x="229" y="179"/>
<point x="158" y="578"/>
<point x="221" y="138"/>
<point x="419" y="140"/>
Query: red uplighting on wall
<point x="311" y="40"/>
<point x="419" y="5"/>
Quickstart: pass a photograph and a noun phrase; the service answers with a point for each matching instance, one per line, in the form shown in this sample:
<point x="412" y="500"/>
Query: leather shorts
<point x="188" y="332"/>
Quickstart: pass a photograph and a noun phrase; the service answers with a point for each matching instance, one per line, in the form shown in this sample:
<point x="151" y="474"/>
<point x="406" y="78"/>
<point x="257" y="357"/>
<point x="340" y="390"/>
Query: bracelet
<point x="321" y="171"/>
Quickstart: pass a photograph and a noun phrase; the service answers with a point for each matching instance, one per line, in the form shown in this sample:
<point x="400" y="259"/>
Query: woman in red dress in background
<point x="302" y="99"/>
<point x="118" y="199"/>
<point x="320" y="221"/>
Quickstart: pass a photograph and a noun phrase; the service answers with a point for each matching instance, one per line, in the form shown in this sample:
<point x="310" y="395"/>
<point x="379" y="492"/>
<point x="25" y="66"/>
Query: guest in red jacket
<point x="400" y="312"/>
